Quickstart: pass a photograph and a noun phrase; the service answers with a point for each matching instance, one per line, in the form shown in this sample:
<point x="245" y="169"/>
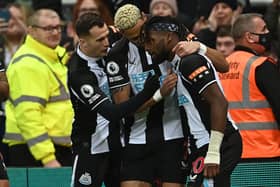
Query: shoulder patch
<point x="87" y="90"/>
<point x="112" y="68"/>
<point x="197" y="72"/>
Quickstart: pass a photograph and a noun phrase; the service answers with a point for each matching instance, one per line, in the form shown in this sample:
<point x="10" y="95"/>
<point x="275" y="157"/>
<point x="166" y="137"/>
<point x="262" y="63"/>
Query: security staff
<point x="95" y="134"/>
<point x="252" y="89"/>
<point x="39" y="111"/>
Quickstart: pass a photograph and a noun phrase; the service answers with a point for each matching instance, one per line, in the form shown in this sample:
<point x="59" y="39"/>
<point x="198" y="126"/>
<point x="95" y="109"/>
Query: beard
<point x="162" y="55"/>
<point x="159" y="58"/>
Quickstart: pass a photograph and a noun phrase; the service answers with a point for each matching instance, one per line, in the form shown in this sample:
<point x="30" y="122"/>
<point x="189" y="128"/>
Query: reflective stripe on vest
<point x="257" y="125"/>
<point x="63" y="93"/>
<point x="55" y="139"/>
<point x="247" y="104"/>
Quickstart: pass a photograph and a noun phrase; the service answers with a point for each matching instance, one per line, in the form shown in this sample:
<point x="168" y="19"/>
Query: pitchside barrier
<point x="245" y="175"/>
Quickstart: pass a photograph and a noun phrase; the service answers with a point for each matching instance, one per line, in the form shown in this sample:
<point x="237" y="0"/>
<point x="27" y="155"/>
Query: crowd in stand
<point x="139" y="93"/>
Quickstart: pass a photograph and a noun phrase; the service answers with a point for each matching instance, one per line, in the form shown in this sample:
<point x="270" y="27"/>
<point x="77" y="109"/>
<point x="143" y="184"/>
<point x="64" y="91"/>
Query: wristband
<point x="213" y="153"/>
<point x="202" y="49"/>
<point x="157" y="96"/>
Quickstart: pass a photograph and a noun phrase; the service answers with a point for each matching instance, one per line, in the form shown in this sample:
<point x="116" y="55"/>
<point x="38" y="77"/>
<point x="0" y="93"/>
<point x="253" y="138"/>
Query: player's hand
<point x="168" y="84"/>
<point x="151" y="84"/>
<point x="184" y="48"/>
<point x="211" y="170"/>
<point x="3" y="26"/>
<point x="52" y="164"/>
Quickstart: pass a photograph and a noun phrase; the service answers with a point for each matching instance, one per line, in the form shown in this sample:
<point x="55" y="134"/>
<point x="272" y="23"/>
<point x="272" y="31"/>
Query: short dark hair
<point x="224" y="31"/>
<point x="160" y="22"/>
<point x="86" y="21"/>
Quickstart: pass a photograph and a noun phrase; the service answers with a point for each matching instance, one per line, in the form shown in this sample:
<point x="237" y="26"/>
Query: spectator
<point x="96" y="6"/>
<point x="221" y="14"/>
<point x="215" y="143"/>
<point x="4" y="93"/>
<point x="168" y="8"/>
<point x="164" y="8"/>
<point x="95" y="135"/>
<point x="39" y="111"/>
<point x="252" y="89"/>
<point x="10" y="40"/>
<point x="15" y="33"/>
<point x="225" y="42"/>
<point x="4" y="86"/>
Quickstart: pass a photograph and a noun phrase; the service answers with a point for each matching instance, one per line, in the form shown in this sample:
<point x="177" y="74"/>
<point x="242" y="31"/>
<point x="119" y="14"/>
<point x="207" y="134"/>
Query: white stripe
<point x="74" y="170"/>
<point x="182" y="76"/>
<point x="121" y="85"/>
<point x="204" y="87"/>
<point x="76" y="95"/>
<point x="99" y="103"/>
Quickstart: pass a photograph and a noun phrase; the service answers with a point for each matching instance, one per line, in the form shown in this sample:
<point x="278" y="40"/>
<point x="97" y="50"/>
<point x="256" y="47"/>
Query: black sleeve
<point x="267" y="79"/>
<point x="197" y="72"/>
<point x="116" y="65"/>
<point x="84" y="86"/>
<point x="114" y="112"/>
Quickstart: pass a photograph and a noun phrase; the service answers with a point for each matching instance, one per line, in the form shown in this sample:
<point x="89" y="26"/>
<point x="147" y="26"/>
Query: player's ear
<point x="82" y="42"/>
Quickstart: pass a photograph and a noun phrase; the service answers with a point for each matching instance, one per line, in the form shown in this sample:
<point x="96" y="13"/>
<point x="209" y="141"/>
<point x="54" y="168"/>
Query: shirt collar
<point x="247" y="49"/>
<point x="51" y="55"/>
<point x="91" y="60"/>
<point x="174" y="61"/>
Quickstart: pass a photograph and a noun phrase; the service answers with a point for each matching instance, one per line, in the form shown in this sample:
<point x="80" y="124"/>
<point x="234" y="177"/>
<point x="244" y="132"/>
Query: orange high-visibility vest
<point x="249" y="108"/>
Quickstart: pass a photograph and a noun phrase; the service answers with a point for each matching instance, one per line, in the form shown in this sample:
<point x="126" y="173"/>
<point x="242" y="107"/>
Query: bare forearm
<point x="218" y="60"/>
<point x="218" y="115"/>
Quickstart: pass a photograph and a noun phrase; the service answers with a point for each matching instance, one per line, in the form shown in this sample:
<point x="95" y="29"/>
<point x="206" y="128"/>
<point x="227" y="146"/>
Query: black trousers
<point x="20" y="156"/>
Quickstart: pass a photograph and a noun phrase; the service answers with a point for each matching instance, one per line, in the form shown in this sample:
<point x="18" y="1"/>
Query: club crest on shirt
<point x="113" y="68"/>
<point x="85" y="179"/>
<point x="87" y="90"/>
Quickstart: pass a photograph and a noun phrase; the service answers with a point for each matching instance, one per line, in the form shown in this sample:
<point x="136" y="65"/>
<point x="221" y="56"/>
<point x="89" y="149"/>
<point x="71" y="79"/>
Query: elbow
<point x="224" y="68"/>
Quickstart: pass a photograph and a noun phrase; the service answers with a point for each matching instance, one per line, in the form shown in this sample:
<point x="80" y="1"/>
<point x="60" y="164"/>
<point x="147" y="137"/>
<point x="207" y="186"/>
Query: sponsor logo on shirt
<point x="138" y="80"/>
<point x="182" y="100"/>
